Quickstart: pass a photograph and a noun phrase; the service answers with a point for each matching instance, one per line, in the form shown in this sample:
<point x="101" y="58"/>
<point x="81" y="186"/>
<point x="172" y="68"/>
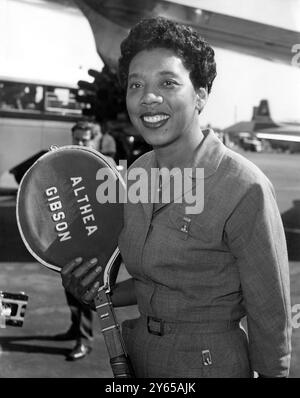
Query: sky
<point x="45" y="43"/>
<point x="49" y="44"/>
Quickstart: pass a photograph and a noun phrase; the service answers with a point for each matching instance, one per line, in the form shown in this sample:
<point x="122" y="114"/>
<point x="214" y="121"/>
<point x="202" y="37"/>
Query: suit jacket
<point x="228" y="261"/>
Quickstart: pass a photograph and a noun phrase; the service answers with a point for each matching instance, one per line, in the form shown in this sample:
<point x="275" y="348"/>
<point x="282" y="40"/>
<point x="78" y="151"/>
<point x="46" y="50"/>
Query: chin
<point x="155" y="137"/>
<point x="154" y="142"/>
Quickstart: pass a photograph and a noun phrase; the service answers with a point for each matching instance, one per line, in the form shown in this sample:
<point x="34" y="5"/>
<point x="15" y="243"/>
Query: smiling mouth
<point x="154" y="120"/>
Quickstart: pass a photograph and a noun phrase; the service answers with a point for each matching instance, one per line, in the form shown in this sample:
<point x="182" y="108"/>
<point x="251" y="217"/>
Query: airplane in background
<point x="263" y="127"/>
<point x="111" y="20"/>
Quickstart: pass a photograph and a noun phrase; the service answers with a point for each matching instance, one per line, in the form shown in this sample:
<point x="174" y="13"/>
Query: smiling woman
<point x="194" y="276"/>
<point x="162" y="73"/>
<point x="158" y="102"/>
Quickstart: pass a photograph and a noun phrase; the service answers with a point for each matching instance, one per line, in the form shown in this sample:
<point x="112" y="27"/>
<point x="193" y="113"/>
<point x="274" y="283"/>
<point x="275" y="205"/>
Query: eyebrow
<point x="167" y="72"/>
<point x="162" y="73"/>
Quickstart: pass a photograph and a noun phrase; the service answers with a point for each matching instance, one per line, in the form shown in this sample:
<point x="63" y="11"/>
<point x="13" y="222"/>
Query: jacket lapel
<point x="207" y="159"/>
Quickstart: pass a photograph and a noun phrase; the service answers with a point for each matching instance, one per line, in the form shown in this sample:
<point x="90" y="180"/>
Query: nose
<point x="151" y="97"/>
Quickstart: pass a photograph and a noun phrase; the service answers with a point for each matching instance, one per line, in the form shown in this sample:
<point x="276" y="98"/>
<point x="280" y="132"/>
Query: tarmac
<point x="31" y="352"/>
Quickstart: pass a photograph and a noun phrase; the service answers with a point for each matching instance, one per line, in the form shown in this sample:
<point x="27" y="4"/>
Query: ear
<point x="201" y="98"/>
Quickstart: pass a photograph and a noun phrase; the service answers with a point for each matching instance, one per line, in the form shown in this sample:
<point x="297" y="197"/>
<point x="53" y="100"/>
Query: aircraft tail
<point x="262" y="116"/>
<point x="262" y="111"/>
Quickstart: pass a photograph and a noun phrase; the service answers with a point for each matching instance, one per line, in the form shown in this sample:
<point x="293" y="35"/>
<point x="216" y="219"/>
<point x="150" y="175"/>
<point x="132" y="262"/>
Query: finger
<point x="91" y="277"/>
<point x="91" y="293"/>
<point x="86" y="85"/>
<point x="71" y="266"/>
<point x="94" y="73"/>
<point x="84" y="268"/>
<point x="90" y="285"/>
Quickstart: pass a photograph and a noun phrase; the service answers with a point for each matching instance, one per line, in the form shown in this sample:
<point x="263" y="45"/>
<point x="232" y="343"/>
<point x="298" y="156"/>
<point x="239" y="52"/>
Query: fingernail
<point x="94" y="260"/>
<point x="78" y="259"/>
<point x="96" y="285"/>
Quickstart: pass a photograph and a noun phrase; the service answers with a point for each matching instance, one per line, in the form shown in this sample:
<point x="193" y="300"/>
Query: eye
<point x="169" y="83"/>
<point x="135" y="85"/>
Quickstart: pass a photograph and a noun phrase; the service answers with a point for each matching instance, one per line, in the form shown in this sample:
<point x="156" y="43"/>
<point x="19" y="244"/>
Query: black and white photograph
<point x="149" y="191"/>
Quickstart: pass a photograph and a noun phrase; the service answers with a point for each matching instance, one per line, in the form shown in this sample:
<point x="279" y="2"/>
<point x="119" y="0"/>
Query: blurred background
<point x="58" y="63"/>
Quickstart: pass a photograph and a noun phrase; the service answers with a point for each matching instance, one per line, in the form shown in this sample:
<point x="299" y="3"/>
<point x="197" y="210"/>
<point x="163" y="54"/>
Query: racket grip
<point x="121" y="367"/>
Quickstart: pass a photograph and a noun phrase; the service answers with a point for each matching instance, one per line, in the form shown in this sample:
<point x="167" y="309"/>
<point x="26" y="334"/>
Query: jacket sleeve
<point x="255" y="235"/>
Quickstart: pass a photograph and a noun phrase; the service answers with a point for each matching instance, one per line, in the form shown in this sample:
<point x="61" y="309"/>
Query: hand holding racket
<point x="65" y="228"/>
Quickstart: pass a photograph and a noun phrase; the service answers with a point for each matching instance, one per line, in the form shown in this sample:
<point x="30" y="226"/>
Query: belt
<point x="161" y="327"/>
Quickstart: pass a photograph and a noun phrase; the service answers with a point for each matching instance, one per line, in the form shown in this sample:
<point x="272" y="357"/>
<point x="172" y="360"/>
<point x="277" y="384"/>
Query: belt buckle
<point x="161" y="326"/>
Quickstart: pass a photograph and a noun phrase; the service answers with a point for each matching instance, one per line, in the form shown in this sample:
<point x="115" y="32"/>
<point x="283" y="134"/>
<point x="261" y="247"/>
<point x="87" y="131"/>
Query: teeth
<point x="155" y="118"/>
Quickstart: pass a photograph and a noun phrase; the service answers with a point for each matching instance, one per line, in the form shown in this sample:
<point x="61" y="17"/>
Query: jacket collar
<point x="208" y="157"/>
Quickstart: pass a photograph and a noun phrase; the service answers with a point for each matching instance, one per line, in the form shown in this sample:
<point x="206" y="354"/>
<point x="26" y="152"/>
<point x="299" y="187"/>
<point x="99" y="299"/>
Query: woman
<point x="194" y="275"/>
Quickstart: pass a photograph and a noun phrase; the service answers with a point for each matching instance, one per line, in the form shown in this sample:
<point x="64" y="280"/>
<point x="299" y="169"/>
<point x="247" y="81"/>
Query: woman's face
<point x="161" y="99"/>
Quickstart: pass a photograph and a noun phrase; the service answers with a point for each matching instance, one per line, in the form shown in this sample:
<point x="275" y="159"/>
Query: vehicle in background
<point x="249" y="142"/>
<point x="33" y="116"/>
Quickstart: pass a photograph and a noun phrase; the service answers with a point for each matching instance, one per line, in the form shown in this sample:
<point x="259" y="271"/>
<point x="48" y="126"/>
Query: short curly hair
<point x="196" y="54"/>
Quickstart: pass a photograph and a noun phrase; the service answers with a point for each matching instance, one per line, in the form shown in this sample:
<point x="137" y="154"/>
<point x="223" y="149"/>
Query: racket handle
<point x="121" y="367"/>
